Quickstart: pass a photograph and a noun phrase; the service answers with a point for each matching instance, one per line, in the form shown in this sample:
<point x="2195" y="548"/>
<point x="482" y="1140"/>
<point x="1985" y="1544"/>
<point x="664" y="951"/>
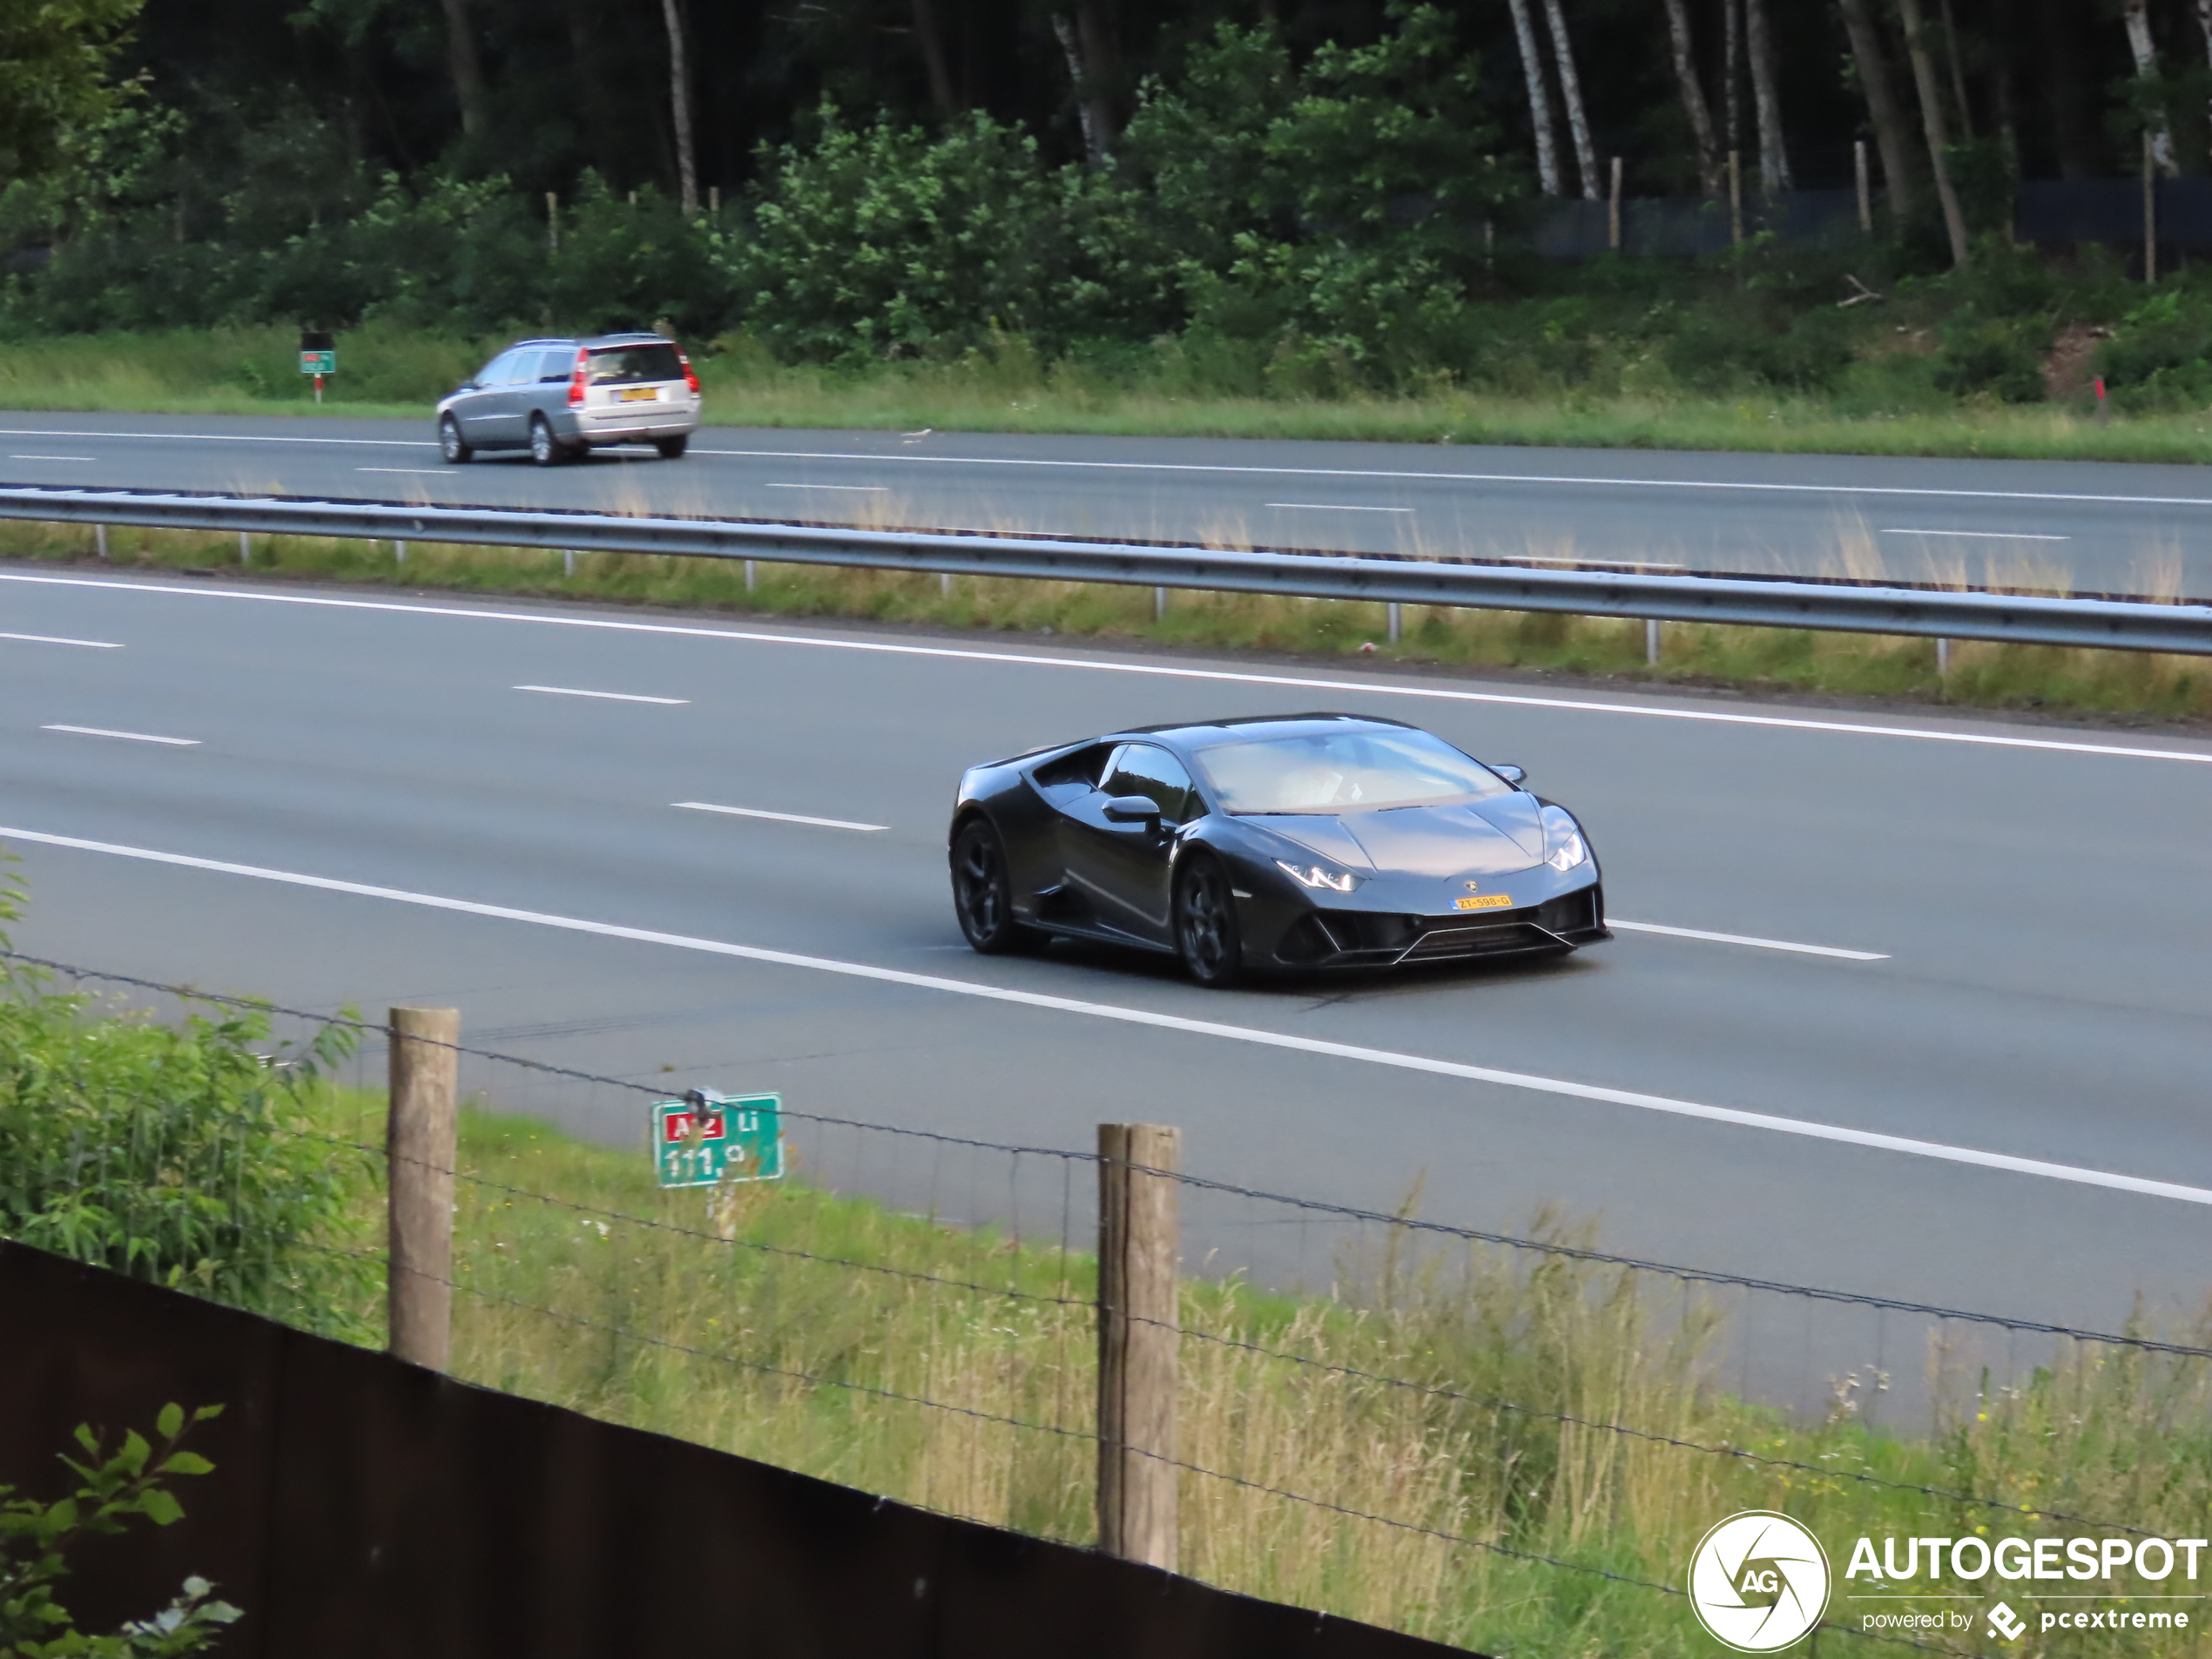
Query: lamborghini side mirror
<point x="1514" y="775"/>
<point x="1131" y="809"/>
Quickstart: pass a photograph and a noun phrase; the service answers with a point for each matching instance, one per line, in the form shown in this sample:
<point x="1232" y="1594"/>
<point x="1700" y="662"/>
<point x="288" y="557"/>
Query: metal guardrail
<point x="2115" y="624"/>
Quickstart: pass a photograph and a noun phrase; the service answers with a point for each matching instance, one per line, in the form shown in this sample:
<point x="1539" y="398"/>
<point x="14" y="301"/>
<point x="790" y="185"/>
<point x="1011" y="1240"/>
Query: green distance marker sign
<point x="713" y="1138"/>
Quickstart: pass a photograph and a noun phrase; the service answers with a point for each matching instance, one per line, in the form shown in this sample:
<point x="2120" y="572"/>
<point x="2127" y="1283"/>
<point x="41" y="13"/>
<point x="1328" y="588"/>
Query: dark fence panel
<point x="2111" y="210"/>
<point x="361" y="1507"/>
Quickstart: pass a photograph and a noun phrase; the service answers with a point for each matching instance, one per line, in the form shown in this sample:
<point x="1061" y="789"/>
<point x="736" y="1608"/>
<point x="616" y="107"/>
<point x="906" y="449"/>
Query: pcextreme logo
<point x="1759" y="1581"/>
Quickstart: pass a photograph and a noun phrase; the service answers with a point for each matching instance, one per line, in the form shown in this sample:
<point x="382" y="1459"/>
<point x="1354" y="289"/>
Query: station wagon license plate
<point x="641" y="395"/>
<point x="1484" y="901"/>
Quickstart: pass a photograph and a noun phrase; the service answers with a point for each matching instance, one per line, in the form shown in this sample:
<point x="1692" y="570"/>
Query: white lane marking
<point x="1157" y="670"/>
<point x="781" y="818"/>
<point x="1982" y="535"/>
<point x="1746" y="939"/>
<point x="129" y="737"/>
<point x="55" y="639"/>
<point x="412" y="472"/>
<point x="216" y="437"/>
<point x="869" y="490"/>
<point x="1255" y="1034"/>
<point x="53" y="457"/>
<point x="1331" y="507"/>
<point x="1927" y="490"/>
<point x="612" y="697"/>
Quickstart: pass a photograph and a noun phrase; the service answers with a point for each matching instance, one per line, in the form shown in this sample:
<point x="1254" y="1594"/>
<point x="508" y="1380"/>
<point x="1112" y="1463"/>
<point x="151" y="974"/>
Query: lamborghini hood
<point x="1481" y="838"/>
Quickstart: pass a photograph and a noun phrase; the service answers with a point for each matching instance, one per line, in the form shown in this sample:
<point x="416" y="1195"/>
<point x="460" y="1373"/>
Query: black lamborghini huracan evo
<point x="1291" y="842"/>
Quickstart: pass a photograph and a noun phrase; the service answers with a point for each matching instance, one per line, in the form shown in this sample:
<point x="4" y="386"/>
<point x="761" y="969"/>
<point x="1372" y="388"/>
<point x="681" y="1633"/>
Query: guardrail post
<point x="99" y="540"/>
<point x="246" y="547"/>
<point x="1943" y="658"/>
<point x="420" y="1143"/>
<point x="1138" y="1248"/>
<point x="751" y="575"/>
<point x="1159" y="604"/>
<point x="1396" y="622"/>
<point x="1651" y="641"/>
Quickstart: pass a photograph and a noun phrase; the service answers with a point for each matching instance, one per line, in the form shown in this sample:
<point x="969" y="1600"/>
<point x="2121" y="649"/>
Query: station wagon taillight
<point x="577" y="380"/>
<point x="690" y="375"/>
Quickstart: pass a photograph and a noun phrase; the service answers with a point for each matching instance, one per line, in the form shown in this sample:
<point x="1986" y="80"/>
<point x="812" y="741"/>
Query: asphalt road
<point x="2092" y="527"/>
<point x="2023" y="910"/>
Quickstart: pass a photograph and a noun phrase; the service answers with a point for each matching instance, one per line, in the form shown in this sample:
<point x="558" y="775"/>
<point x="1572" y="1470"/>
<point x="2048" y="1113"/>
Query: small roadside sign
<point x="317" y="356"/>
<point x="705" y="1139"/>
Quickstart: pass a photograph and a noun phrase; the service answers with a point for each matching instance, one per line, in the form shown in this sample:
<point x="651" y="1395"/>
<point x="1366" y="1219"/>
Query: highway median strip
<point x="1872" y="1140"/>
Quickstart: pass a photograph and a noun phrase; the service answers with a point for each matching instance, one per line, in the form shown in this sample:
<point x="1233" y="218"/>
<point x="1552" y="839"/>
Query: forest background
<point x="1283" y="200"/>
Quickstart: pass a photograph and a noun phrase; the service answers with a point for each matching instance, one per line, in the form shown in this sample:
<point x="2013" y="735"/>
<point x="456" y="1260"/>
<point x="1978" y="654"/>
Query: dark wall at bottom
<point x="361" y="1507"/>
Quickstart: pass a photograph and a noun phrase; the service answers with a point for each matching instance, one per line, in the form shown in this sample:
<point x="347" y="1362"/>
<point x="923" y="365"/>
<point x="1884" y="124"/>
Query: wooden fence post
<point x="419" y="1143"/>
<point x="1613" y="210"/>
<point x="1734" y="196"/>
<point x="1138" y="1248"/>
<point x="1865" y="187"/>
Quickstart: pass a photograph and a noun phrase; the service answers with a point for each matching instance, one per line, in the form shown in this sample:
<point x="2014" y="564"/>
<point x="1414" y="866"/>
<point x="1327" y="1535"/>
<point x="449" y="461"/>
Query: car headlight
<point x="1319" y="875"/>
<point x="1564" y="847"/>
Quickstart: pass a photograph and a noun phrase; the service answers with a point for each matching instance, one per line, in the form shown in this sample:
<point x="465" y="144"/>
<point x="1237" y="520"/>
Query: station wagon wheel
<point x="449" y="441"/>
<point x="546" y="450"/>
<point x="984" y="893"/>
<point x="1205" y="925"/>
<point x="673" y="449"/>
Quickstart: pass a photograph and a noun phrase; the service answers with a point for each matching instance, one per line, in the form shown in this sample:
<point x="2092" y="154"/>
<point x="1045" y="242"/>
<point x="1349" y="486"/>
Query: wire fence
<point x="1396" y="1419"/>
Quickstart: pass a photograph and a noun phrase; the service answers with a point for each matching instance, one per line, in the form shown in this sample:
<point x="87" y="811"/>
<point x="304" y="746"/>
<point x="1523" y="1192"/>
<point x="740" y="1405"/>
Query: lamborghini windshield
<point x="1353" y="769"/>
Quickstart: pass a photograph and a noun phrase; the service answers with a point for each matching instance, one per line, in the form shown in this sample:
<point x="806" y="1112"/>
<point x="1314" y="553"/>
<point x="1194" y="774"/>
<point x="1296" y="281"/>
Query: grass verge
<point x="774" y="1345"/>
<point x="2118" y="684"/>
<point x="384" y="371"/>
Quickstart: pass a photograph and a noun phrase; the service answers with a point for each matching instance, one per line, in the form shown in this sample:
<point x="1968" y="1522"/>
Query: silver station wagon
<point x="558" y="398"/>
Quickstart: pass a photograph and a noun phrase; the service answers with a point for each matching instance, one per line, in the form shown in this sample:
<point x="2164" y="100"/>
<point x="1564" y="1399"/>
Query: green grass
<point x="386" y="371"/>
<point x="658" y="1324"/>
<point x="2118" y="684"/>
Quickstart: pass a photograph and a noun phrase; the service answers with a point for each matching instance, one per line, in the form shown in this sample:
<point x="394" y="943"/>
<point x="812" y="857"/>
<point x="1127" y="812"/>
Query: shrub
<point x="173" y="1154"/>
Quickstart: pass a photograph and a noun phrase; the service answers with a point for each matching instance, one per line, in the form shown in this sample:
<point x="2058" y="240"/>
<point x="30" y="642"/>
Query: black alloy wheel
<point x="546" y="450"/>
<point x="449" y="444"/>
<point x="1205" y="925"/>
<point x="673" y="449"/>
<point x="984" y="893"/>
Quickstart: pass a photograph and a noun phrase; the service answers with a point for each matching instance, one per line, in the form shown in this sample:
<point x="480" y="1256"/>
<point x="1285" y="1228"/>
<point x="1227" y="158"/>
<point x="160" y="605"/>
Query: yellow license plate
<point x="641" y="395"/>
<point x="1484" y="901"/>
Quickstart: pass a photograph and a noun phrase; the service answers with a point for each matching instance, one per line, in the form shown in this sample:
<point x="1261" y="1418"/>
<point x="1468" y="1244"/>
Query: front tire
<point x="1205" y="925"/>
<point x="451" y="444"/>
<point x="546" y="450"/>
<point x="984" y="893"/>
<point x="673" y="449"/>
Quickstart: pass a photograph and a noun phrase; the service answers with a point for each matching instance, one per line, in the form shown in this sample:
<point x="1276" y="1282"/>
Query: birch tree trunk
<point x="1956" y="57"/>
<point x="2137" y="16"/>
<point x="679" y="102"/>
<point x="1890" y="130"/>
<point x="1709" y="166"/>
<point x="1732" y="70"/>
<point x="1570" y="88"/>
<point x="1924" y="82"/>
<point x="1540" y="103"/>
<point x="1063" y="29"/>
<point x="933" y="58"/>
<point x="2204" y="22"/>
<point x="465" y="66"/>
<point x="1774" y="159"/>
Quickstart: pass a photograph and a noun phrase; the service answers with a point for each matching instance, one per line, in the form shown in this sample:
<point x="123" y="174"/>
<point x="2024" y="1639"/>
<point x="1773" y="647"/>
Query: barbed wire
<point x="679" y="1230"/>
<point x="1429" y="1390"/>
<point x="1475" y="1235"/>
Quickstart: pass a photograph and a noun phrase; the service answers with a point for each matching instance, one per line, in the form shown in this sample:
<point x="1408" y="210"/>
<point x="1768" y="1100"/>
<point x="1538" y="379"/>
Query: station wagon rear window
<point x="635" y="365"/>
